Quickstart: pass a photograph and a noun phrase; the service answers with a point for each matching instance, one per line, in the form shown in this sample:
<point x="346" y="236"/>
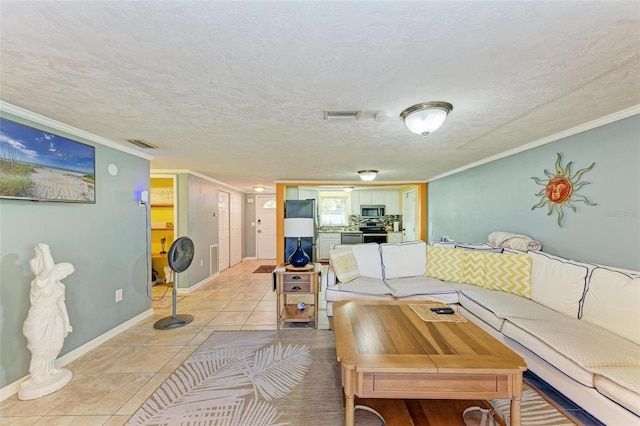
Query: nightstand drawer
<point x="296" y="283"/>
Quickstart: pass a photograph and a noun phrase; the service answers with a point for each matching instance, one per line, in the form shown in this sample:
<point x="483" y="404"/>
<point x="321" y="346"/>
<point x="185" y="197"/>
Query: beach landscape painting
<point x="41" y="166"/>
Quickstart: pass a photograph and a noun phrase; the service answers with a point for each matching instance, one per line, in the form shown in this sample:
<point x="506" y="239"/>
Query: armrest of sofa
<point x="332" y="279"/>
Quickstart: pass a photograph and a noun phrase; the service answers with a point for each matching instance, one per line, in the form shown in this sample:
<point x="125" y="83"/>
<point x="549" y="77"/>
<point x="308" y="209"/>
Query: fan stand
<point x="174" y="321"/>
<point x="179" y="258"/>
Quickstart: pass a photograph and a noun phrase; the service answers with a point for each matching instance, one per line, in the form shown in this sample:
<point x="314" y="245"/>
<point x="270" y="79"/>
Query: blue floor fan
<point x="180" y="257"/>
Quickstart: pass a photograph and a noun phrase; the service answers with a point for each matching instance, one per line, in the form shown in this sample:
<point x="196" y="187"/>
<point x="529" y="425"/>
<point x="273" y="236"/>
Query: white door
<point x="409" y="216"/>
<point x="265" y="227"/>
<point x="223" y="230"/>
<point x="235" y="229"/>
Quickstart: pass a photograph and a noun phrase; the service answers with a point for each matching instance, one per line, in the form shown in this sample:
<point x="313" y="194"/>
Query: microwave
<point x="372" y="211"/>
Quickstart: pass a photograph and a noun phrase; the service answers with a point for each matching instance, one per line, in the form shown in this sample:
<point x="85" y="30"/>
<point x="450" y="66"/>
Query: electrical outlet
<point x="119" y="295"/>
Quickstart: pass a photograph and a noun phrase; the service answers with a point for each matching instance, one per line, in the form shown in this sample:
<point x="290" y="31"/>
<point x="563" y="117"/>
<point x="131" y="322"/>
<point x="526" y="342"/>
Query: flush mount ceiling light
<point x="258" y="188"/>
<point x="367" y="175"/>
<point x="425" y="118"/>
<point x="348" y="188"/>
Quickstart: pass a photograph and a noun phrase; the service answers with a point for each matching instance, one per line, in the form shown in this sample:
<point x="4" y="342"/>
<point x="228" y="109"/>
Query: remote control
<point x="445" y="311"/>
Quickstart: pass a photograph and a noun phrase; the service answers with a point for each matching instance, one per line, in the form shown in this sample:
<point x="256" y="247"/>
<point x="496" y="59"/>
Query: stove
<point x="373" y="233"/>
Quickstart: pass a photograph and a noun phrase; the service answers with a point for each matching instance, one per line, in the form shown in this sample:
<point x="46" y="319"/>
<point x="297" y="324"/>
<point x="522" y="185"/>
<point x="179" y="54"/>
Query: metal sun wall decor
<point x="560" y="189"/>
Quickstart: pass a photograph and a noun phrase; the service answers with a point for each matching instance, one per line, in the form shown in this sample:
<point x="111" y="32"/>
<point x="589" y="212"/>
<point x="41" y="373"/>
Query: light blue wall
<point x="498" y="196"/>
<point x="106" y="242"/>
<point x="203" y="226"/>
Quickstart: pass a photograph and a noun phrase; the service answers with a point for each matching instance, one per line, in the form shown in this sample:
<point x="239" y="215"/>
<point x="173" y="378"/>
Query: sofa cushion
<point x="368" y="260"/>
<point x="445" y="263"/>
<point x="573" y="346"/>
<point x="493" y="307"/>
<point x="558" y="283"/>
<point x="363" y="288"/>
<point x="344" y="264"/>
<point x="423" y="288"/>
<point x="508" y="272"/>
<point x="474" y="268"/>
<point x="403" y="260"/>
<point x="621" y="384"/>
<point x="612" y="302"/>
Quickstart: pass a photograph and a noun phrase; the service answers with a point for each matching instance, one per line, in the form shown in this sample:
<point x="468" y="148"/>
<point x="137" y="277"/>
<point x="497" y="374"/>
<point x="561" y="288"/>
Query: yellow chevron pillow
<point x="473" y="272"/>
<point x="344" y="264"/>
<point x="445" y="263"/>
<point x="508" y="272"/>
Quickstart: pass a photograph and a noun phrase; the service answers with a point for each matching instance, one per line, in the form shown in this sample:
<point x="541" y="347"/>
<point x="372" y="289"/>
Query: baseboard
<point x="13" y="388"/>
<point x="197" y="285"/>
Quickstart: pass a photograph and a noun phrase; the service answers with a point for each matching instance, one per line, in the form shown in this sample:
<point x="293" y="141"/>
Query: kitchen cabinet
<point x="326" y="241"/>
<point x="394" y="237"/>
<point x="392" y="202"/>
<point x="306" y="194"/>
<point x="389" y="199"/>
<point x="355" y="202"/>
<point x="371" y="197"/>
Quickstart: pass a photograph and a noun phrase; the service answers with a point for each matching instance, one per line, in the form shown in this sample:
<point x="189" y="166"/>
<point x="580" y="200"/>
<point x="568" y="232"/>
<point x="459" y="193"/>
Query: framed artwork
<point x="39" y="166"/>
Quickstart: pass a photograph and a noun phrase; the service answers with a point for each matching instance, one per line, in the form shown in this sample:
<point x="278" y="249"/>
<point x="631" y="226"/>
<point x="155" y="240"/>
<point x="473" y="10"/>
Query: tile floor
<point x="113" y="380"/>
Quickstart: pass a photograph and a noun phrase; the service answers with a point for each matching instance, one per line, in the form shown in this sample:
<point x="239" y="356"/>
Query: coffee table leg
<point x="515" y="400"/>
<point x="348" y="385"/>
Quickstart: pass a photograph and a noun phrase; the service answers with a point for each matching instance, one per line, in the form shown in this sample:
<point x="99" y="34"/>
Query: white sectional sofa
<point x="577" y="325"/>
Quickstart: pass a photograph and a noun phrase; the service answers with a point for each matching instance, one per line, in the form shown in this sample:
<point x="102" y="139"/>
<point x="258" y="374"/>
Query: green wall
<point x="106" y="242"/>
<point x="498" y="196"/>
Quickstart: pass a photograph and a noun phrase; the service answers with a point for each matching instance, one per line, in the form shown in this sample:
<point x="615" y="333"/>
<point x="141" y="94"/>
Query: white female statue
<point x="46" y="326"/>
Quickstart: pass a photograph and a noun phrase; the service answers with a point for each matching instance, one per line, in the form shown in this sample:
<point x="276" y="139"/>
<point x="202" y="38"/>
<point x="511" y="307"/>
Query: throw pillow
<point x="344" y="264"/>
<point x="445" y="263"/>
<point x="508" y="272"/>
<point x="474" y="270"/>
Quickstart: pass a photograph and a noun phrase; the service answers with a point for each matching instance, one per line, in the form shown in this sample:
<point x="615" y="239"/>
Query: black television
<point x="41" y="166"/>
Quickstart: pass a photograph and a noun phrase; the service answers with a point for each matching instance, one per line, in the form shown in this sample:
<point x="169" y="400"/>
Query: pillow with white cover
<point x="612" y="303"/>
<point x="558" y="283"/>
<point x="344" y="264"/>
<point x="368" y="260"/>
<point x="404" y="260"/>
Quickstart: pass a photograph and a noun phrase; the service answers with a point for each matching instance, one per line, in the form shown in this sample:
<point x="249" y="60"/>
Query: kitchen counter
<point x="338" y="232"/>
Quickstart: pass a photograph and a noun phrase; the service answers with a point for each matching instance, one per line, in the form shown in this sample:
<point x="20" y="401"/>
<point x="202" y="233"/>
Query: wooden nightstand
<point x="290" y="281"/>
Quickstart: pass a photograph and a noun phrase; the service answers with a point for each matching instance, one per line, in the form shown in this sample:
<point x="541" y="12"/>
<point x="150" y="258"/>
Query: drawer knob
<point x="296" y="277"/>
<point x="297" y="287"/>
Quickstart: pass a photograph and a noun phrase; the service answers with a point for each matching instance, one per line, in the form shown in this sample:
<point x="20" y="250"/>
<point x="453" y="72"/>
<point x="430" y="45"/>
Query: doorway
<point x="224" y="234"/>
<point x="409" y="216"/>
<point x="265" y="227"/>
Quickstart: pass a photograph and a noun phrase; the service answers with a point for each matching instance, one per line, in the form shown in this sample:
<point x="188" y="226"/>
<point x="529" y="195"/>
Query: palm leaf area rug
<point x="256" y="378"/>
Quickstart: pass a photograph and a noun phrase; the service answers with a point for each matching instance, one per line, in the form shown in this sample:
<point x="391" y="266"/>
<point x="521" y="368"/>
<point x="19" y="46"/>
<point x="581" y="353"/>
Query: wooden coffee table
<point x="386" y="351"/>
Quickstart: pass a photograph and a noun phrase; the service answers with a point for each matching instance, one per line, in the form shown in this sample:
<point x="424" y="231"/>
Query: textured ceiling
<point x="237" y="90"/>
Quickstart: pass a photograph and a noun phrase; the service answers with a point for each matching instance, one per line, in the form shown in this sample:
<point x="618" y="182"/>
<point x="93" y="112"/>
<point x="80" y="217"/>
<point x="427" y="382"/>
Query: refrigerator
<point x="301" y="209"/>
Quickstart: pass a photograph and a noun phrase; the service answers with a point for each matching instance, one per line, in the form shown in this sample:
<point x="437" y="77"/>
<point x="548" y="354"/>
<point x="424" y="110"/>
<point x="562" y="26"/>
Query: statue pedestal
<point x="31" y="390"/>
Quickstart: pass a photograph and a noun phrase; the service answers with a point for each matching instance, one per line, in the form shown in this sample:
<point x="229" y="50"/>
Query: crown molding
<point x="46" y="121"/>
<point x="608" y="119"/>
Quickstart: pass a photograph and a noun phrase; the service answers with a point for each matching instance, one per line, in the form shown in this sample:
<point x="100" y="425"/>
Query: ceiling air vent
<point x="143" y="144"/>
<point x="342" y="115"/>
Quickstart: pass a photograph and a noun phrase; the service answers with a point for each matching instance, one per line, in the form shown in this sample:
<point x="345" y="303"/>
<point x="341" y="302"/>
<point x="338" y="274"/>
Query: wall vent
<point x="213" y="259"/>
<point x="342" y="115"/>
<point x="141" y="143"/>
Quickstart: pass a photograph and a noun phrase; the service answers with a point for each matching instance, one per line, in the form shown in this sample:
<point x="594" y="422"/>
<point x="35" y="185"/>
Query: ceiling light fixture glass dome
<point x="426" y="118"/>
<point x="367" y="175"/>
